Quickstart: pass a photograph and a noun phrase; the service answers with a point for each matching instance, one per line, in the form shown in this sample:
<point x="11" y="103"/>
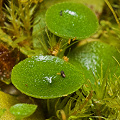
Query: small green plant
<point x="86" y="85"/>
<point x="40" y="72"/>
<point x="21" y="111"/>
<point x="70" y="20"/>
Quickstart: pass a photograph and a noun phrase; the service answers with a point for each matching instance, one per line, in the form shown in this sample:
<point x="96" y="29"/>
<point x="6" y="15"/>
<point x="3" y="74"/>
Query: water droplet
<point x="49" y="79"/>
<point x="71" y="12"/>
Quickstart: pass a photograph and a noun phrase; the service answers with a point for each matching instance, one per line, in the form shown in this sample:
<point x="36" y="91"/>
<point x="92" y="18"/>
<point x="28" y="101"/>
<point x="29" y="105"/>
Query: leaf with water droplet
<point x="96" y="59"/>
<point x="40" y="77"/>
<point x="70" y="20"/>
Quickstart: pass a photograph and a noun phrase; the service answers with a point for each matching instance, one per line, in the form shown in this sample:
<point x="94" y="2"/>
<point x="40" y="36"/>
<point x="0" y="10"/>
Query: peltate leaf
<point x="46" y="77"/>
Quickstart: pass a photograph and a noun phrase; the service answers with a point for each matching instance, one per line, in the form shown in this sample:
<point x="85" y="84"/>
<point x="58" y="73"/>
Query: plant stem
<point x="113" y="12"/>
<point x="85" y="102"/>
<point x="13" y="20"/>
<point x="1" y="14"/>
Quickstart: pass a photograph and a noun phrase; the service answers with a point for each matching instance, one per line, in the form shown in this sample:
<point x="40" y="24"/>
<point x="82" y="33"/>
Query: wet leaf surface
<point x="70" y="20"/>
<point x="96" y="59"/>
<point x="41" y="77"/>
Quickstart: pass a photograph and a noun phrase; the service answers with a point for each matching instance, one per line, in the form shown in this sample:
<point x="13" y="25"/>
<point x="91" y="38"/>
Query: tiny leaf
<point x="41" y="77"/>
<point x="23" y="110"/>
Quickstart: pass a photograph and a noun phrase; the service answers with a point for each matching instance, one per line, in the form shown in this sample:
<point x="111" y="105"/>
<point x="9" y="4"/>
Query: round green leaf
<point x="23" y="110"/>
<point x="95" y="58"/>
<point x="40" y="77"/>
<point x="70" y="20"/>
